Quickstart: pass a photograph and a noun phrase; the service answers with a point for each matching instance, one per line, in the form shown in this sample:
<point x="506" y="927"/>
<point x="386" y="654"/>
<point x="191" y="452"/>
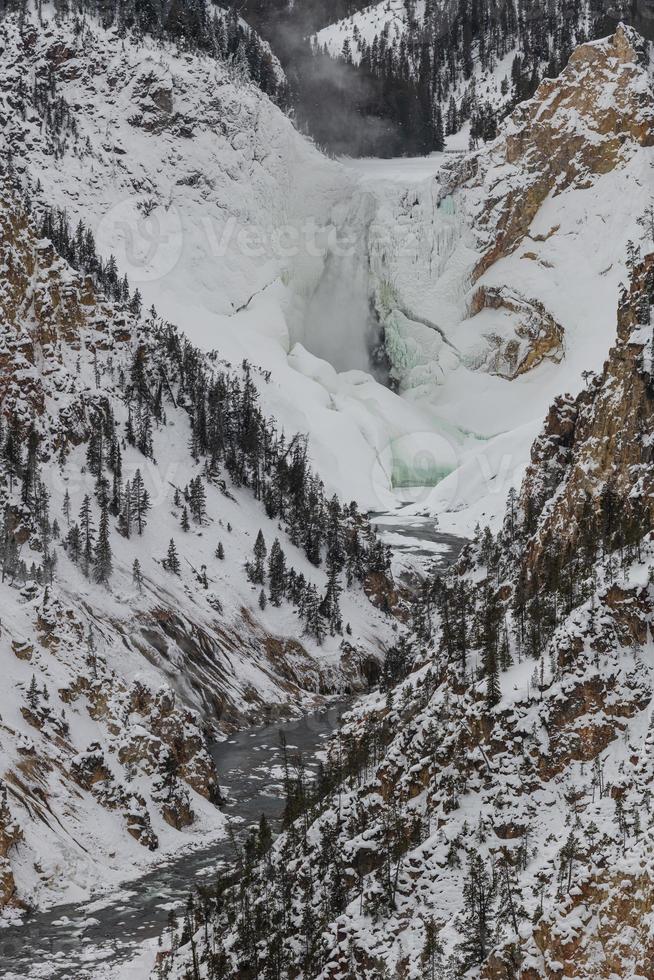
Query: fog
<point x="339" y="324"/>
<point x="342" y="107"/>
<point x="344" y="110"/>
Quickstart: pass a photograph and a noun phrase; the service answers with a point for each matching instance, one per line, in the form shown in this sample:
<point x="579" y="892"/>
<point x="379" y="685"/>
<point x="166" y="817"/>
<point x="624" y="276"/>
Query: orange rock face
<point x="568" y="133"/>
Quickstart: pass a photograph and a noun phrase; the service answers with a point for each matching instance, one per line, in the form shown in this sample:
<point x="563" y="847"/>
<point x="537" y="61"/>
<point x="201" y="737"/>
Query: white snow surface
<point x="254" y="243"/>
<point x="82" y="848"/>
<point x="389" y="16"/>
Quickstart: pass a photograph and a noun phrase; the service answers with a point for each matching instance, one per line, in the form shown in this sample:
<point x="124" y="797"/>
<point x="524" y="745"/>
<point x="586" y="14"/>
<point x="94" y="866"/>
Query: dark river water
<point x="421" y="537"/>
<point x="64" y="941"/>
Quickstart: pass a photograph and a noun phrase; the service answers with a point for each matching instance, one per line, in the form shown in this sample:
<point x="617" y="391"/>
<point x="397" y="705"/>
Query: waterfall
<point x="340" y="324"/>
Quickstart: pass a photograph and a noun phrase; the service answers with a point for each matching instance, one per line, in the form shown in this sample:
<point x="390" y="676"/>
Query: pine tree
<point x="137" y="576"/>
<point x="478" y="922"/>
<point x="260" y="552"/>
<point x="568" y="857"/>
<point x="452" y="117"/>
<point x="91" y="654"/>
<point x="185" y="521"/>
<point x="197" y="500"/>
<point x="102" y="566"/>
<point x="168" y="773"/>
<point x="74" y="543"/>
<point x="509" y="909"/>
<point x="277" y="573"/>
<point x="66" y="507"/>
<point x="432" y="951"/>
<point x="439" y="133"/>
<point x="117" y="491"/>
<point x="87" y="532"/>
<point x="125" y="516"/>
<point x="315" y="625"/>
<point x="396" y="663"/>
<point x="171" y="561"/>
<point x="144" y="432"/>
<point x="493" y="689"/>
<point x="33" y="696"/>
<point x="13" y="451"/>
<point x="621" y="821"/>
<point x="136" y="304"/>
<point x="264" y="837"/>
<point x="330" y="607"/>
<point x="490" y="622"/>
<point x="140" y="502"/>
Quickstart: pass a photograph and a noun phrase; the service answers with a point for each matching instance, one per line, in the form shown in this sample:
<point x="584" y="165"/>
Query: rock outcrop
<point x="578" y="126"/>
<point x="509" y="214"/>
<point x="595" y="451"/>
<point x="10" y="836"/>
<point x="535" y="337"/>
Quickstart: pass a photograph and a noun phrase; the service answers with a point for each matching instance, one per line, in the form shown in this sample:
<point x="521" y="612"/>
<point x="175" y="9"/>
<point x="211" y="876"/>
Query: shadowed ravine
<point x="69" y="940"/>
<point x="72" y="940"/>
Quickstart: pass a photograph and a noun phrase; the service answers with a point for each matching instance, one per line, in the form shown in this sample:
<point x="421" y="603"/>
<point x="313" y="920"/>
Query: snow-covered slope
<point x="490" y="815"/>
<point x="212" y="204"/>
<point x="235" y="227"/>
<point x="389" y="16"/>
<point x="138" y="617"/>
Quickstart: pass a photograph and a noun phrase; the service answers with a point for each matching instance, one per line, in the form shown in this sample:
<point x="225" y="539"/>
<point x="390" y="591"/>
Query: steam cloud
<point x="339" y="325"/>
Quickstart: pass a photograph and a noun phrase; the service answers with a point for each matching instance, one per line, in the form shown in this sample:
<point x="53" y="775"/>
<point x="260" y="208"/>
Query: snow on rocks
<point x="491" y="815"/>
<point x="231" y="223"/>
<point x="117" y="666"/>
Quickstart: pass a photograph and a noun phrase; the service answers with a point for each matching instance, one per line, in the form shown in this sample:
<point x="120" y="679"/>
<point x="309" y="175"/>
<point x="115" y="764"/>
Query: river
<point x="420" y="537"/>
<point x="69" y="941"/>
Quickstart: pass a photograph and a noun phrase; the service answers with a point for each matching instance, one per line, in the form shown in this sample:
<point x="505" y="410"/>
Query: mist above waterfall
<point x="339" y="324"/>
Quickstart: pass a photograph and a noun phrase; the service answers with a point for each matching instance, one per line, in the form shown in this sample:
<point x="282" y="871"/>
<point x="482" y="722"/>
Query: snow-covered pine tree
<point x="276" y="573"/>
<point x="87" y="533"/>
<point x="102" y="563"/>
<point x="171" y="561"/>
<point x="140" y="502"/>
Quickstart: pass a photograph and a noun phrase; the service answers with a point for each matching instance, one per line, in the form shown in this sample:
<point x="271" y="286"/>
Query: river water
<point x="419" y="537"/>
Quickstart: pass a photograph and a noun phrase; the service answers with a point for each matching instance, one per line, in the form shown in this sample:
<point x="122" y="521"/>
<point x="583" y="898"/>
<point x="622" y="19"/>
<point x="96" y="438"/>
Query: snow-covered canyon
<point x="241" y="232"/>
<point x="397" y="254"/>
<point x="414" y="319"/>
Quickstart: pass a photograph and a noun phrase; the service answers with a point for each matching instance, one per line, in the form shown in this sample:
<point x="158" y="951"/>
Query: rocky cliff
<point x="490" y="815"/>
<point x="587" y="122"/>
<point x="485" y="321"/>
<point x="594" y="454"/>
